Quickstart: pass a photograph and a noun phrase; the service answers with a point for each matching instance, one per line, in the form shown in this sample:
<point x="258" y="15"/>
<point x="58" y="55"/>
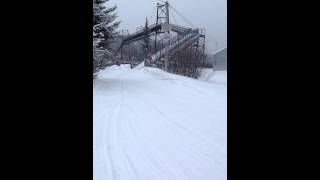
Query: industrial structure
<point x="173" y="48"/>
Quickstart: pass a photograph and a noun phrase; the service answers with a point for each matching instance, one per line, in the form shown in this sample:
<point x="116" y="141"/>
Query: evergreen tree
<point x="146" y="44"/>
<point x="104" y="26"/>
<point x="146" y="41"/>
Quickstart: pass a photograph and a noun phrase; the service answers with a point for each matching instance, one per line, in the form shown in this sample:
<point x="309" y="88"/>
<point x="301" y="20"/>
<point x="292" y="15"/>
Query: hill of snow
<point x="153" y="125"/>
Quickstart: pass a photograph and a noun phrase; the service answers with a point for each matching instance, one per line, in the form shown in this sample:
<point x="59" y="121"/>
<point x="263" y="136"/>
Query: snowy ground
<point x="152" y="125"/>
<point x="216" y="77"/>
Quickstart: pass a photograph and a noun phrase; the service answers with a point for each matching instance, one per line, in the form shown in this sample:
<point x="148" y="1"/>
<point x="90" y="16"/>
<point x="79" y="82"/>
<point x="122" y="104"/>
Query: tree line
<point x="105" y="24"/>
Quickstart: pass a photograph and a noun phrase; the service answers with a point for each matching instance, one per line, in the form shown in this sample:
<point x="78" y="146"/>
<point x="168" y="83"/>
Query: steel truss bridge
<point x="176" y="48"/>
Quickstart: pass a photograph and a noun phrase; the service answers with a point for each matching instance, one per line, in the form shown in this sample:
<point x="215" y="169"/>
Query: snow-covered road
<point x="153" y="125"/>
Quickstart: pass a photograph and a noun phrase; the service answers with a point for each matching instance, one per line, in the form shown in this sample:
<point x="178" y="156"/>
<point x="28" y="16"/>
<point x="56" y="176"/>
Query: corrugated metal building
<point x="220" y="60"/>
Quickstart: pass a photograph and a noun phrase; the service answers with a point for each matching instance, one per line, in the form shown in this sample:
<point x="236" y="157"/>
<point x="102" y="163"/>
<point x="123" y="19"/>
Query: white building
<point x="220" y="60"/>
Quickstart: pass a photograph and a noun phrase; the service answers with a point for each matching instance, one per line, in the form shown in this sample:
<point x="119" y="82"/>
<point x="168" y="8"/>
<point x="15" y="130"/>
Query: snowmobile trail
<point x="149" y="124"/>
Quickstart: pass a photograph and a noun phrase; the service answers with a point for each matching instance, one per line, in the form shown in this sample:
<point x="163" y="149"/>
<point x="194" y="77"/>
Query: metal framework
<point x="177" y="49"/>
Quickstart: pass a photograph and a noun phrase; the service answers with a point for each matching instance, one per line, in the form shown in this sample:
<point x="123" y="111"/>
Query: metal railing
<point x="174" y="43"/>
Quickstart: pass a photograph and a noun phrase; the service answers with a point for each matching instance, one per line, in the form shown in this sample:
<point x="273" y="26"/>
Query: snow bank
<point x="216" y="77"/>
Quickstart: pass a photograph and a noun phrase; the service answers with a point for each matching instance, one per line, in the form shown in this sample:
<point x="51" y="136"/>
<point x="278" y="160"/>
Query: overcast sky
<point x="209" y="14"/>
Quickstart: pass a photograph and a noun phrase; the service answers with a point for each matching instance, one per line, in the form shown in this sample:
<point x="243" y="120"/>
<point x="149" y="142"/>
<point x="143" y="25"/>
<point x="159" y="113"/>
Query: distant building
<point x="220" y="60"/>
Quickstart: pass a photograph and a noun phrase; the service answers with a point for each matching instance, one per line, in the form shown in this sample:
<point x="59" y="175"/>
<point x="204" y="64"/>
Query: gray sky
<point x="208" y="14"/>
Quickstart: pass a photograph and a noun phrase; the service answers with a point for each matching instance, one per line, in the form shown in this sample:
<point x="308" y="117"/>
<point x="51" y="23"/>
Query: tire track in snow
<point x="177" y="124"/>
<point x="108" y="143"/>
<point x="129" y="166"/>
<point x="126" y="135"/>
<point x="109" y="135"/>
<point x="150" y="152"/>
<point x="151" y="156"/>
<point x="150" y="159"/>
<point x="176" y="98"/>
<point x="193" y="155"/>
<point x="187" y="131"/>
<point x="152" y="145"/>
<point x="113" y="137"/>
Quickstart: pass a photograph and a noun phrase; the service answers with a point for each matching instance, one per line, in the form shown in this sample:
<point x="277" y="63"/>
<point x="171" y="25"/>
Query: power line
<point x="190" y="23"/>
<point x="185" y="19"/>
<point x="153" y="12"/>
<point x="174" y="19"/>
<point x="215" y="39"/>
